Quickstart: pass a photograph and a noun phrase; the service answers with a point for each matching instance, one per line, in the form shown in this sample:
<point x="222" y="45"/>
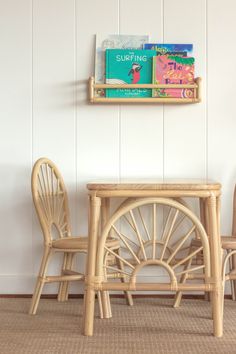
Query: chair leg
<point x="224" y="263"/>
<point x="128" y="296"/>
<point x="64" y="286"/>
<point x="40" y="281"/>
<point x="106" y="304"/>
<point x="231" y="281"/>
<point x="184" y="277"/>
<point x="222" y="305"/>
<point x="100" y="304"/>
<point x="233" y="261"/>
<point x="227" y="258"/>
<point x="179" y="294"/>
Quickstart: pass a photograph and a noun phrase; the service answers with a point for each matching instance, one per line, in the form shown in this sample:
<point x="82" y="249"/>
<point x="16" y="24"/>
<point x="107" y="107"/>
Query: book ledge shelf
<point x="93" y="87"/>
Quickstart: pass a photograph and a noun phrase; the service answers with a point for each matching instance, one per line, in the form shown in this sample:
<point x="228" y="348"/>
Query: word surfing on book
<point x="132" y="60"/>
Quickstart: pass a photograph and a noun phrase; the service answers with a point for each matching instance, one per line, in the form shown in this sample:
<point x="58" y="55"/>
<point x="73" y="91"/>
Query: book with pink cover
<point x="170" y="69"/>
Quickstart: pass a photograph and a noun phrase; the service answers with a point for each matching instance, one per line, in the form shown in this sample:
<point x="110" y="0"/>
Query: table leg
<point x="105" y="299"/>
<point x="215" y="246"/>
<point x="89" y="296"/>
<point x="204" y="221"/>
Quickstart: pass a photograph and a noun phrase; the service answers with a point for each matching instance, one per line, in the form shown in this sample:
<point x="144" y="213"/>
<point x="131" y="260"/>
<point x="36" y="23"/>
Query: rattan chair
<point x="228" y="244"/>
<point x="51" y="203"/>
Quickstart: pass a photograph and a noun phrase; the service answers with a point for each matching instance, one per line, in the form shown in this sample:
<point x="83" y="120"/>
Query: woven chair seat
<point x="228" y="242"/>
<point x="80" y="243"/>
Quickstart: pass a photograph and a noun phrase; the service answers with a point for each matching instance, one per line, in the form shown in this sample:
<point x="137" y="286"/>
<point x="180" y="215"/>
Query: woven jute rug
<point x="151" y="326"/>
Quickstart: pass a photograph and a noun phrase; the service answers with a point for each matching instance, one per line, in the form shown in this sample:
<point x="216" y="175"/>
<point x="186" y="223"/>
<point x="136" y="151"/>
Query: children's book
<point x="171" y="49"/>
<point x="129" y="67"/>
<point x="170" y="69"/>
<point x="112" y="41"/>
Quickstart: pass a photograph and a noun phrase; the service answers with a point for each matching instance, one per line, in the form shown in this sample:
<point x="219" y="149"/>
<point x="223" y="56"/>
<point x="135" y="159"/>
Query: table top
<point x="154" y="184"/>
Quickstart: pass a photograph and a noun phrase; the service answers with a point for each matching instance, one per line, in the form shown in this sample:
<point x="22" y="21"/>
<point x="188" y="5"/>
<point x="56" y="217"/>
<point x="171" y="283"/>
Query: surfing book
<point x="171" y="49"/>
<point x="129" y="67"/>
<point x="113" y="41"/>
<point x="170" y="69"/>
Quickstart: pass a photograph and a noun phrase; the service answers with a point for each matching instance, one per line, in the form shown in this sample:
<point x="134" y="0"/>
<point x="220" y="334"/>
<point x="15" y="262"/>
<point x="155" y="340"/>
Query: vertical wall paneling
<point x="221" y="103"/>
<point x="47" y="56"/>
<point x="54" y="93"/>
<point x="15" y="145"/>
<point x="141" y="125"/>
<point x="97" y="125"/>
<point x="185" y="126"/>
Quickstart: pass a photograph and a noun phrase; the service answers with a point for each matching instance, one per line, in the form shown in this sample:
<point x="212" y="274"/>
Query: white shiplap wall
<point x="47" y="55"/>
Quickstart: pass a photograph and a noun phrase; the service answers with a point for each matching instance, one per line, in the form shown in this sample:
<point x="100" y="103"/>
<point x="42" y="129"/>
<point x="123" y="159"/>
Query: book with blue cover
<point x="129" y="67"/>
<point x="171" y="49"/>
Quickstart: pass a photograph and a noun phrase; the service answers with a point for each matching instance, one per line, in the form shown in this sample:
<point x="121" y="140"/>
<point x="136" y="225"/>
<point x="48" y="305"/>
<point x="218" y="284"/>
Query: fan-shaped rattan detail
<point x="50" y="199"/>
<point x="164" y="226"/>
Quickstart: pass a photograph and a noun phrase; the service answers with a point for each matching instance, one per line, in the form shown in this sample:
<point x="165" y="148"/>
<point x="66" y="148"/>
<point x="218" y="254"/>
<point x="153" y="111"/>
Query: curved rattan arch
<point x="139" y="262"/>
<point x="154" y="262"/>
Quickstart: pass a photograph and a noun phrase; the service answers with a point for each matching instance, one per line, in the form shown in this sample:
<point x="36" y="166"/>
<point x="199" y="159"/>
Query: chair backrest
<point x="234" y="213"/>
<point x="50" y="200"/>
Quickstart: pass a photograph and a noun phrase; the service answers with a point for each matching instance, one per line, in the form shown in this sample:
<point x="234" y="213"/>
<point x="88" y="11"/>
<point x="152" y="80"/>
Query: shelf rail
<point x="93" y="88"/>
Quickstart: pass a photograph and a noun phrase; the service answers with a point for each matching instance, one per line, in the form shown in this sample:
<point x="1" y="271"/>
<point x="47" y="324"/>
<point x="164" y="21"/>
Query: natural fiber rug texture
<point x="150" y="326"/>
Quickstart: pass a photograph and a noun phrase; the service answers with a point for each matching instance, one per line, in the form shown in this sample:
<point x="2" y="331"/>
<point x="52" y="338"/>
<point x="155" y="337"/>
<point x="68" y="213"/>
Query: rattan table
<point x="154" y="192"/>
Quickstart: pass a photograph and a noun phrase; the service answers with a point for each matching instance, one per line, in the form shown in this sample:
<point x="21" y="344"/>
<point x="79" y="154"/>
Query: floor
<point x="150" y="326"/>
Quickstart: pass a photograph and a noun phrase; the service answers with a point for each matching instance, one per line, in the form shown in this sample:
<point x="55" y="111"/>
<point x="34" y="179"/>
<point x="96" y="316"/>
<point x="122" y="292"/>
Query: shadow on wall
<point x="61" y="96"/>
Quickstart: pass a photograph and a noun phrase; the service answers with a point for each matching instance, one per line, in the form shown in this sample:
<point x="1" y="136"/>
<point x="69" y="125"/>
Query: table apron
<point x="155" y="193"/>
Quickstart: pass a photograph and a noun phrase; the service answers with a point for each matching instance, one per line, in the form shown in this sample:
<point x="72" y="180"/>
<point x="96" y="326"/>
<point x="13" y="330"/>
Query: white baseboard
<point x="24" y="284"/>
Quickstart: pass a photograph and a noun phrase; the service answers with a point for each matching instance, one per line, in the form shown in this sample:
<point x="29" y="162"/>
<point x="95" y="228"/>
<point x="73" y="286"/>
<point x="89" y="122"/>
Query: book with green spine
<point x="129" y="67"/>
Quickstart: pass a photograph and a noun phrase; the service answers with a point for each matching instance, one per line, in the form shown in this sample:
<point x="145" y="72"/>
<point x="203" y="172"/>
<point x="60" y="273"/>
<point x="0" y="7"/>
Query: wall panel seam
<point x="32" y="120"/>
<point x="75" y="86"/>
<point x="206" y="91"/>
<point x="119" y="109"/>
<point x="163" y="106"/>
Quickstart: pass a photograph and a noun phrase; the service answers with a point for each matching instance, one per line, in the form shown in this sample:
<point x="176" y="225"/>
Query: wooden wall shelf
<point x="93" y="87"/>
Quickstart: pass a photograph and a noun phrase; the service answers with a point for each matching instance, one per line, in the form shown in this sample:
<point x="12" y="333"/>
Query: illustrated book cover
<point x="129" y="67"/>
<point x="171" y="49"/>
<point x="113" y="41"/>
<point x="170" y="69"/>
